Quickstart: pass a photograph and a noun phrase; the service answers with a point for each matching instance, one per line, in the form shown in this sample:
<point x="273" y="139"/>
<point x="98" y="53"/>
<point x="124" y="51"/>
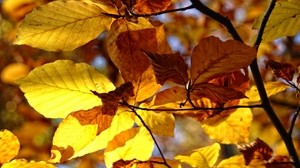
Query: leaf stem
<point x="255" y="70"/>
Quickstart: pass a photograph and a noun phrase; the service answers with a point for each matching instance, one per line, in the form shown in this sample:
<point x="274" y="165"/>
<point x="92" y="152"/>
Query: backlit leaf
<point x="257" y="149"/>
<point x="62" y="25"/>
<point x="212" y="58"/>
<point x="9" y="146"/>
<point x="150" y="6"/>
<point x="219" y="94"/>
<point x="272" y="88"/>
<point x="126" y="40"/>
<point x="22" y="163"/>
<point x="170" y="98"/>
<point x="159" y="123"/>
<point x="283" y="21"/>
<point x="77" y="135"/>
<point x="205" y="157"/>
<point x="169" y="67"/>
<point x="61" y="87"/>
<point x="234" y="128"/>
<point x="281" y="70"/>
<point x="152" y="163"/>
<point x="234" y="162"/>
<point x="135" y="143"/>
<point x="146" y="86"/>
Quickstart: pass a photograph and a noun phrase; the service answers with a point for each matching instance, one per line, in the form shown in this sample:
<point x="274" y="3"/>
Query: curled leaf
<point x="281" y="70"/>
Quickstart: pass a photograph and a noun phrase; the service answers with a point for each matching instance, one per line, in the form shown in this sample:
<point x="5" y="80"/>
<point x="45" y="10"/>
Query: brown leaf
<point x="111" y="99"/>
<point x="281" y="70"/>
<point x="150" y="6"/>
<point x="257" y="149"/>
<point x="216" y="93"/>
<point x="280" y="162"/>
<point x="126" y="40"/>
<point x="212" y="58"/>
<point x="169" y="67"/>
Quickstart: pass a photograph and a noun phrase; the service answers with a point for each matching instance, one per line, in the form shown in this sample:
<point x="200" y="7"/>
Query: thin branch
<point x="255" y="71"/>
<point x="293" y="121"/>
<point x="149" y="130"/>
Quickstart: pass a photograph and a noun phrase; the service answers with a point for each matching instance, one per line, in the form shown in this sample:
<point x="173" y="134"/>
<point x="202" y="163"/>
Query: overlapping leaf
<point x="62" y="25"/>
<point x="9" y="146"/>
<point x="77" y="135"/>
<point x="22" y="163"/>
<point x="150" y="6"/>
<point x="283" y="21"/>
<point x="234" y="128"/>
<point x="159" y="123"/>
<point x="59" y="88"/>
<point x="169" y="67"/>
<point x="152" y="163"/>
<point x="205" y="157"/>
<point x="282" y="70"/>
<point x="146" y="86"/>
<point x="135" y="143"/>
<point x="212" y="58"/>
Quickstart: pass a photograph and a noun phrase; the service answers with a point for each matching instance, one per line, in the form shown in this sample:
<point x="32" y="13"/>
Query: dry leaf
<point x="281" y="70"/>
<point x="169" y="67"/>
<point x="212" y="58"/>
<point x="150" y="6"/>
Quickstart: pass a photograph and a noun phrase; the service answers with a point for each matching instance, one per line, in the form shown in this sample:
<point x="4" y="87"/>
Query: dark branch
<point x="293" y="121"/>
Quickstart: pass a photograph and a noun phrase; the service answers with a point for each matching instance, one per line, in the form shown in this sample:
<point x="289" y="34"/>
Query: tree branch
<point x="293" y="121"/>
<point x="255" y="70"/>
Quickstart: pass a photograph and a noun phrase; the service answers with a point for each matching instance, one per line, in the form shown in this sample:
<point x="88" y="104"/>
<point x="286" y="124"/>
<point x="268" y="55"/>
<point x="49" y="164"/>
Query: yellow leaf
<point x="159" y="123"/>
<point x="272" y="88"/>
<point x="239" y="162"/>
<point x="212" y="58"/>
<point x="13" y="71"/>
<point x="232" y="129"/>
<point x="284" y="20"/>
<point x="62" y="25"/>
<point x="146" y="86"/>
<point x="73" y="140"/>
<point x="126" y="40"/>
<point x="135" y="143"/>
<point x="22" y="163"/>
<point x="9" y="146"/>
<point x="205" y="157"/>
<point x="59" y="88"/>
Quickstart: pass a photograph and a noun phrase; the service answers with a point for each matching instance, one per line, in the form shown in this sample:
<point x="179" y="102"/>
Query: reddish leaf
<point x="216" y="93"/>
<point x="281" y="70"/>
<point x="150" y="6"/>
<point x="280" y="162"/>
<point x="169" y="67"/>
<point x="257" y="149"/>
<point x="111" y="99"/>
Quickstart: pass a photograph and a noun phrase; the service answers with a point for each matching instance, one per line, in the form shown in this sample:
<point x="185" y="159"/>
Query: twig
<point x="293" y="121"/>
<point x="149" y="130"/>
<point x="255" y="70"/>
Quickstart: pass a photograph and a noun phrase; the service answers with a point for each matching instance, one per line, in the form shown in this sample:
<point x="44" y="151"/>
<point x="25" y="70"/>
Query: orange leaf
<point x="170" y="98"/>
<point x="169" y="67"/>
<point x="216" y="93"/>
<point x="281" y="70"/>
<point x="256" y="149"/>
<point x="22" y="163"/>
<point x="212" y="58"/>
<point x="150" y="6"/>
<point x="126" y="40"/>
<point x="9" y="146"/>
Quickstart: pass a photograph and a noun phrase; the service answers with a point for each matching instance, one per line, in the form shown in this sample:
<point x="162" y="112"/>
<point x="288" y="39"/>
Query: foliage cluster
<point x="120" y="115"/>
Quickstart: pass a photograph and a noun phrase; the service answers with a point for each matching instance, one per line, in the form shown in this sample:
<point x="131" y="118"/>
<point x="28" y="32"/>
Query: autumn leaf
<point x="212" y="58"/>
<point x="159" y="123"/>
<point x="150" y="6"/>
<point x="256" y="149"/>
<point x="79" y="134"/>
<point x="235" y="162"/>
<point x="62" y="25"/>
<point x="59" y="88"/>
<point x="272" y="88"/>
<point x="152" y="163"/>
<point x="281" y="70"/>
<point x="9" y="146"/>
<point x="232" y="129"/>
<point x="283" y="21"/>
<point x="219" y="94"/>
<point x="22" y="163"/>
<point x="135" y="143"/>
<point x="205" y="157"/>
<point x="126" y="40"/>
<point x="169" y="67"/>
<point x="146" y="86"/>
<point x="14" y="71"/>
